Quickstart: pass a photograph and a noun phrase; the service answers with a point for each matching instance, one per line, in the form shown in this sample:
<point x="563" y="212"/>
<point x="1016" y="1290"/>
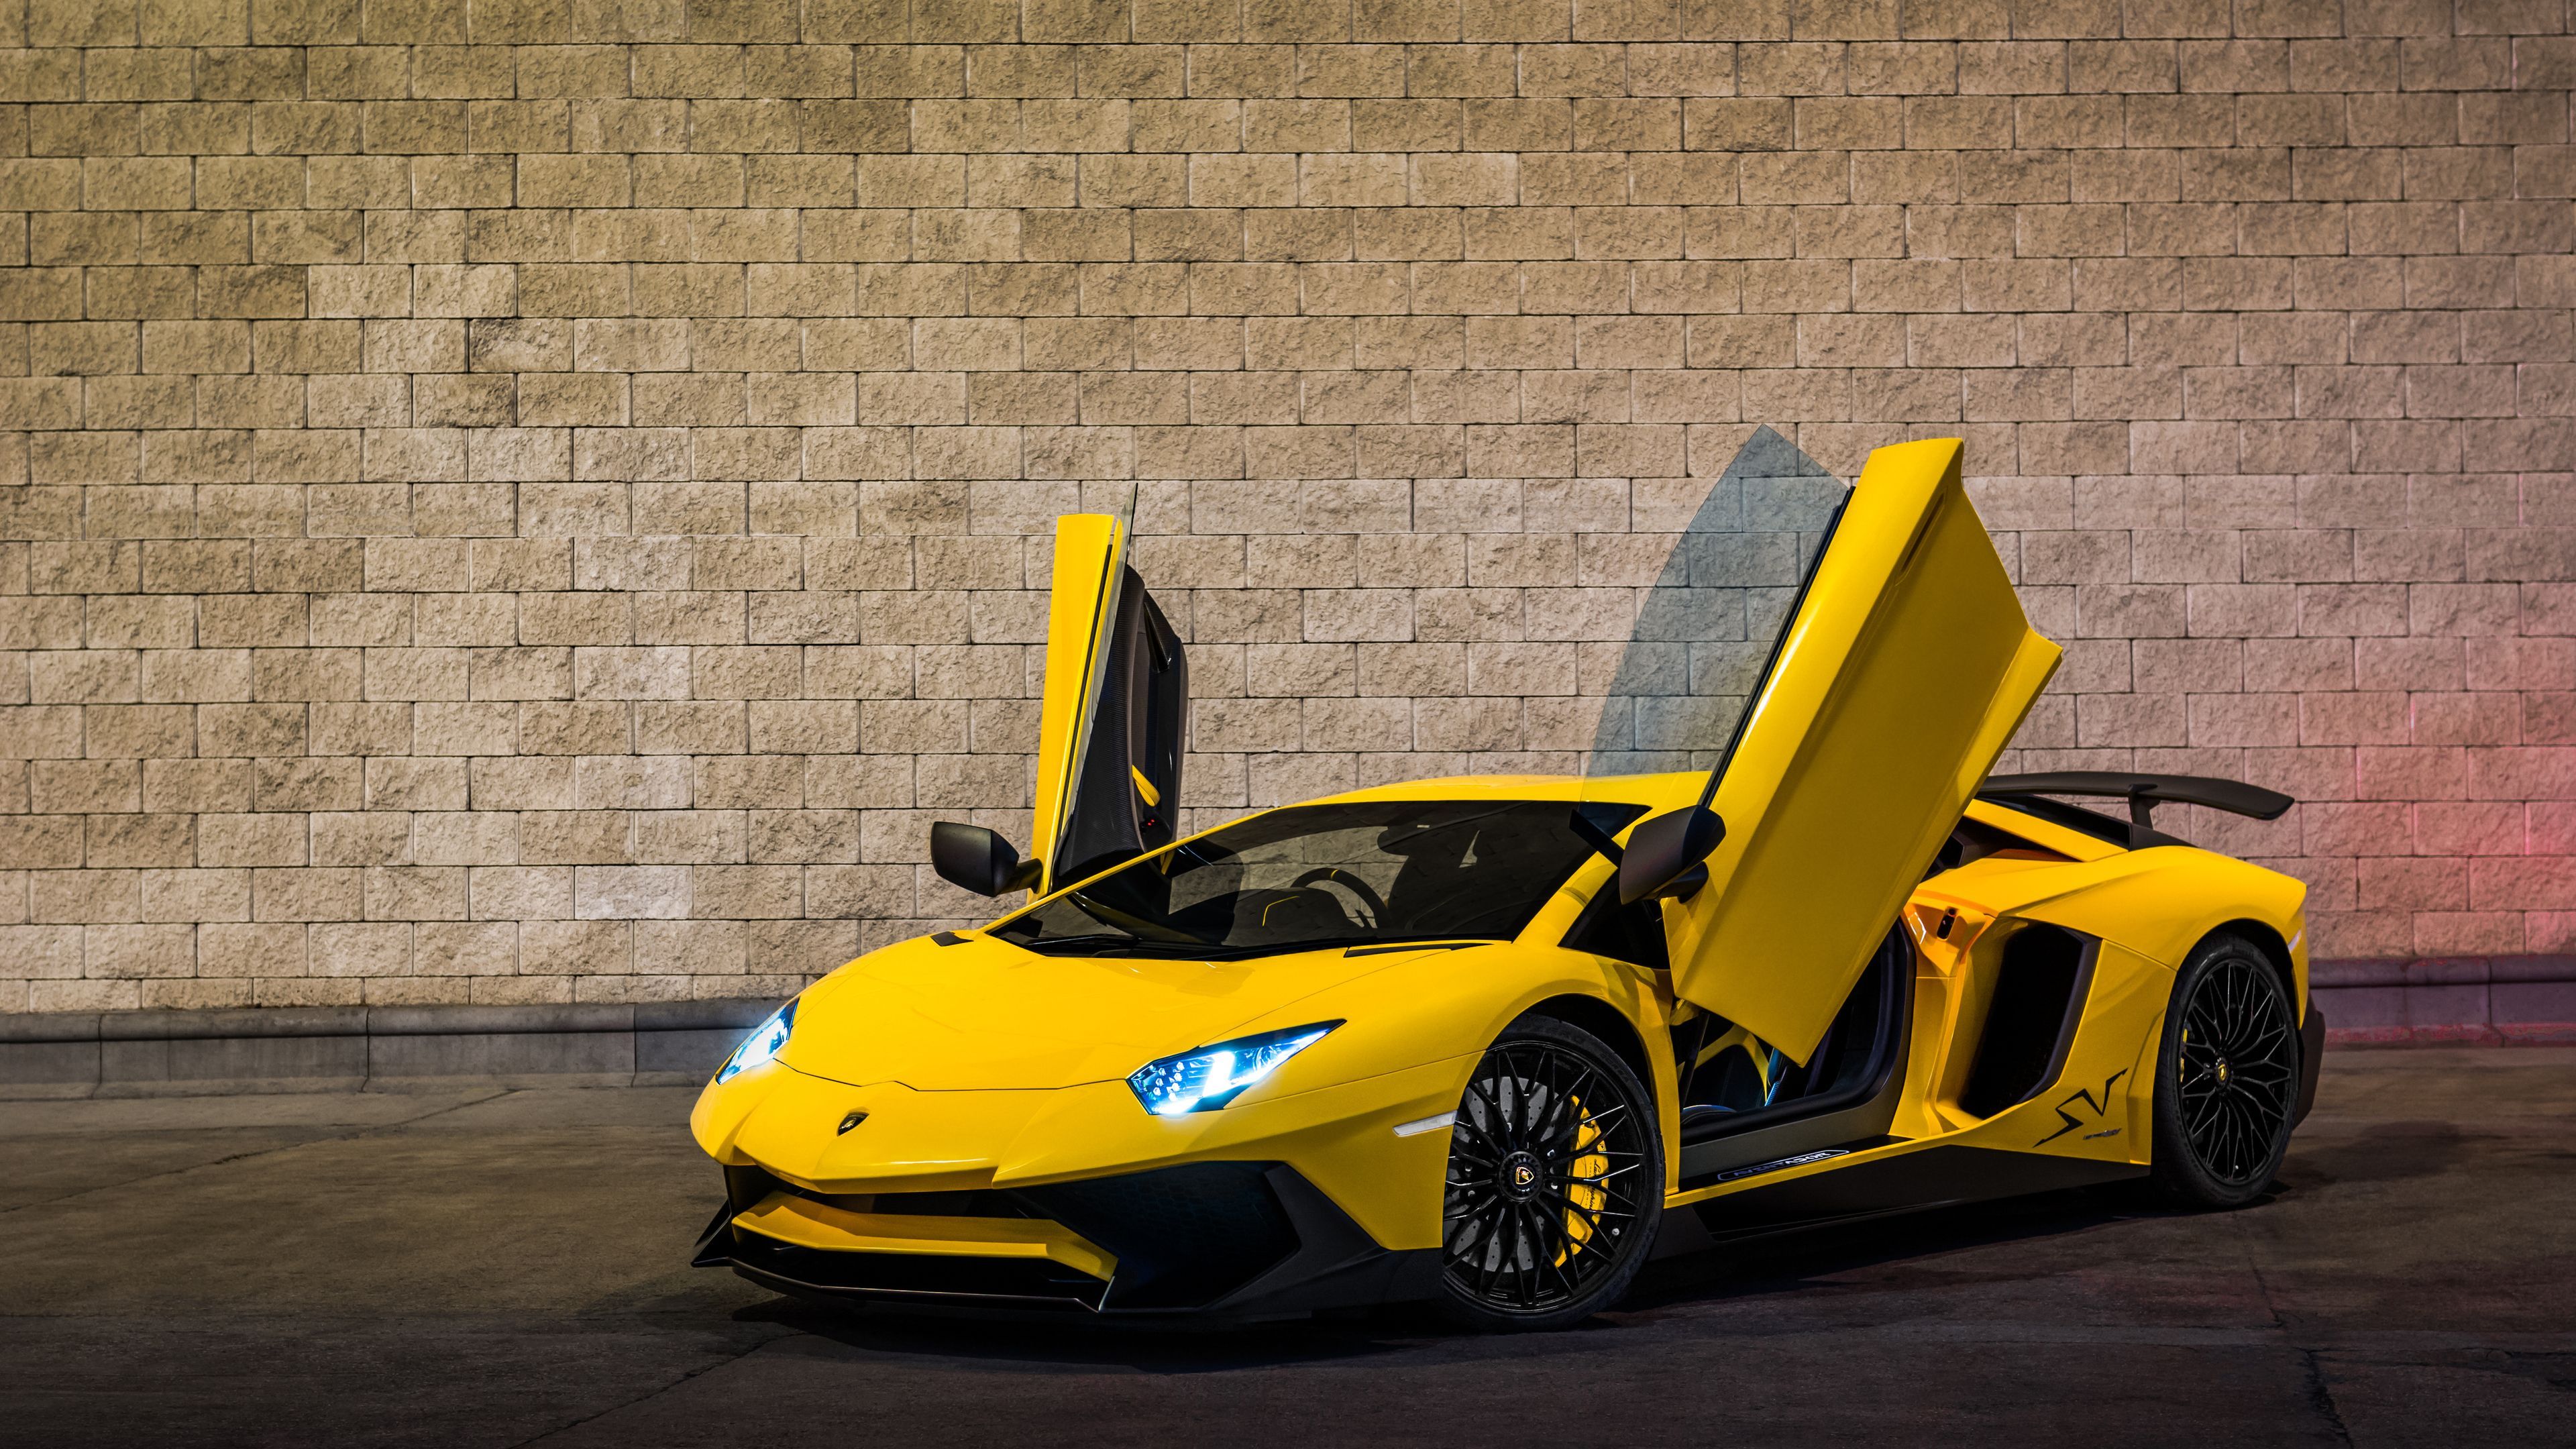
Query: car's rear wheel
<point x="2227" y="1078"/>
<point x="1556" y="1181"/>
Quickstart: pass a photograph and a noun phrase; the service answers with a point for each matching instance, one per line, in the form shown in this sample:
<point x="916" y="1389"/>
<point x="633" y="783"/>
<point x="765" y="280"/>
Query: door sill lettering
<point x="1734" y="1174"/>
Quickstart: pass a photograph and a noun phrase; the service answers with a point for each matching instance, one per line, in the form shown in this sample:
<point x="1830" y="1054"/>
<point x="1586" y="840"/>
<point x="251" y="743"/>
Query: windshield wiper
<point x="1248" y="950"/>
<point x="1102" y="943"/>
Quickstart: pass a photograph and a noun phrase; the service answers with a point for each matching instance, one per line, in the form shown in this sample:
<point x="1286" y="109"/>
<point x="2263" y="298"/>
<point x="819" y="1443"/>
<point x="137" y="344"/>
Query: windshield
<point x="1329" y="875"/>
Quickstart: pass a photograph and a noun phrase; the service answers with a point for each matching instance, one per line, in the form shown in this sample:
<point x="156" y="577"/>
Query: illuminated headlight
<point x="763" y="1045"/>
<point x="1210" y="1077"/>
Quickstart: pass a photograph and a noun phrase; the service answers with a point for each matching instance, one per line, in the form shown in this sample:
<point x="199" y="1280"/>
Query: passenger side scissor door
<point x="1902" y="674"/>
<point x="1112" y="722"/>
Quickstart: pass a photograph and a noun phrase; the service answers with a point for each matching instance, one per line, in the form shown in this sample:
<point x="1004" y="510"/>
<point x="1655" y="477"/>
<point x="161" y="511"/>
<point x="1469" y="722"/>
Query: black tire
<point x="1555" y="1185"/>
<point x="2227" y="1078"/>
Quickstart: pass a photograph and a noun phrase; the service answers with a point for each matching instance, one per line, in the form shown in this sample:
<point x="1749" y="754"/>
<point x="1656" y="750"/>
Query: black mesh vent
<point x="1183" y="1236"/>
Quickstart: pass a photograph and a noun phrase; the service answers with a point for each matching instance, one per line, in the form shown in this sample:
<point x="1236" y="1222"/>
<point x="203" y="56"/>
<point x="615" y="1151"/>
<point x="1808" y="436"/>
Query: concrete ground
<point x="501" y="1268"/>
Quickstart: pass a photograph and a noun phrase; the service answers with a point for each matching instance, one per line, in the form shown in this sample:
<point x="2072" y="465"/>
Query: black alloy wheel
<point x="1556" y="1181"/>
<point x="2227" y="1086"/>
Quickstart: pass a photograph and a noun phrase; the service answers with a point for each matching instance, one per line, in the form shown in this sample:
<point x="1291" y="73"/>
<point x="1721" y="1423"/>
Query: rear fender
<point x="2159" y="903"/>
<point x="2149" y="909"/>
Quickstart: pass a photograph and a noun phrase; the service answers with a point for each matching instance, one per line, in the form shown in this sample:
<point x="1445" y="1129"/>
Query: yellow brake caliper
<point x="1583" y="1199"/>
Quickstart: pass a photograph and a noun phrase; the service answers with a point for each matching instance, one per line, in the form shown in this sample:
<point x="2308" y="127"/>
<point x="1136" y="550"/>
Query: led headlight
<point x="1206" y="1079"/>
<point x="764" y="1044"/>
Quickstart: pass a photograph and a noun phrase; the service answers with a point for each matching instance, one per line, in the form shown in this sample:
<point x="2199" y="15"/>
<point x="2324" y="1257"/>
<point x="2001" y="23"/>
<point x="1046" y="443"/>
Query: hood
<point x="985" y="1015"/>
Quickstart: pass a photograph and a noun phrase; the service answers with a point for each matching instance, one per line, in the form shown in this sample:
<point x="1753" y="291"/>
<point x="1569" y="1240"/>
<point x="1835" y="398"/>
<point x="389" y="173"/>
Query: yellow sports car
<point x="1486" y="1041"/>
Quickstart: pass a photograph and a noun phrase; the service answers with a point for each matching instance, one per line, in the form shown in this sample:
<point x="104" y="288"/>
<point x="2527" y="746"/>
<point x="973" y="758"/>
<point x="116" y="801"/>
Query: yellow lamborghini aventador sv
<point x="1485" y="1041"/>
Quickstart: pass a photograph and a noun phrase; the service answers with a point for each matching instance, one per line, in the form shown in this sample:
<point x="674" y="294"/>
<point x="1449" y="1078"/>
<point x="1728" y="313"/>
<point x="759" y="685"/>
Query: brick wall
<point x="524" y="500"/>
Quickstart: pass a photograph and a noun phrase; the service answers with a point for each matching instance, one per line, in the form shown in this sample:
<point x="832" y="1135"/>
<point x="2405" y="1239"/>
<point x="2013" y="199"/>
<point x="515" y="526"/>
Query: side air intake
<point x="2039" y="994"/>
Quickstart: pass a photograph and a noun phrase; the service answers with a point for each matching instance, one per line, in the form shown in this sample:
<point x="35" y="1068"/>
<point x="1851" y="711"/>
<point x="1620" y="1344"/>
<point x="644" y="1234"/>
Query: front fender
<point x="1442" y="1004"/>
<point x="1449" y="1006"/>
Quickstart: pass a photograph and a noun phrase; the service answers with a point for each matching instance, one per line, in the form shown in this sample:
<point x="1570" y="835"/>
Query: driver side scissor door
<point x="1113" y="721"/>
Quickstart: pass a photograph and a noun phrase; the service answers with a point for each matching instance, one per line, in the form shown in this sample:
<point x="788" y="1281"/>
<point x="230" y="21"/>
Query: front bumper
<point x="1204" y="1240"/>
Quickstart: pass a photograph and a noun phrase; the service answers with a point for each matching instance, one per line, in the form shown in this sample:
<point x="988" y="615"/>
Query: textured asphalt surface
<point x="502" y="1268"/>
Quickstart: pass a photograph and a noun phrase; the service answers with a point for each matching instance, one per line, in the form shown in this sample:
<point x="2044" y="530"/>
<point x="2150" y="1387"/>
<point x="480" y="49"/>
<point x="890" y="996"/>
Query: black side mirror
<point x="978" y="860"/>
<point x="1664" y="855"/>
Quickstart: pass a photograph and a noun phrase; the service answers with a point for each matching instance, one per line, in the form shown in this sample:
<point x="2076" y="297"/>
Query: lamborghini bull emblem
<point x="849" y="1121"/>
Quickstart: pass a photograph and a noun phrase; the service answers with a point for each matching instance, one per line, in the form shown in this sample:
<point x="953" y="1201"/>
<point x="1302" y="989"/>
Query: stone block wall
<point x="544" y="500"/>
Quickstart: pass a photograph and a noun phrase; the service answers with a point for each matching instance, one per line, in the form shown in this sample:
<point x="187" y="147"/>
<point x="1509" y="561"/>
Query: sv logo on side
<point x="2097" y="1106"/>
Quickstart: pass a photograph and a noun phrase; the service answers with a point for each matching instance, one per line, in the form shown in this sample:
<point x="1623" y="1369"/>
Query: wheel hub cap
<point x="1549" y="1174"/>
<point x="2239" y="1074"/>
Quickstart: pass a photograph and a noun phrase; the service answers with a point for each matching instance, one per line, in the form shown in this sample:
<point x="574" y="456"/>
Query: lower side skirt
<point x="1934" y="1177"/>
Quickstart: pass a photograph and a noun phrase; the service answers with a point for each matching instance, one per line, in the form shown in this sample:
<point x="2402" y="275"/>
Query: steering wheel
<point x="1367" y="893"/>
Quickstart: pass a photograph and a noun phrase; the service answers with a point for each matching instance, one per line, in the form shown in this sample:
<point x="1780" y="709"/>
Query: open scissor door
<point x="1903" y="671"/>
<point x="1112" y="723"/>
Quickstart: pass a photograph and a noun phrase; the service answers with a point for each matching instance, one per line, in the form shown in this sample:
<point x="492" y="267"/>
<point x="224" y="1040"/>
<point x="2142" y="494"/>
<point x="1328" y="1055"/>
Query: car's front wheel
<point x="2227" y="1078"/>
<point x="1556" y="1181"/>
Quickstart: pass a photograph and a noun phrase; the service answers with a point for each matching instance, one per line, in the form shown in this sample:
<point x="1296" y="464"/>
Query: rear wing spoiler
<point x="2143" y="792"/>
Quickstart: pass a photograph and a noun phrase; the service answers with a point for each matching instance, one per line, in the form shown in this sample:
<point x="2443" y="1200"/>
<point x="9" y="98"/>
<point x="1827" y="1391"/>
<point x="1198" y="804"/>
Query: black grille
<point x="1183" y="1236"/>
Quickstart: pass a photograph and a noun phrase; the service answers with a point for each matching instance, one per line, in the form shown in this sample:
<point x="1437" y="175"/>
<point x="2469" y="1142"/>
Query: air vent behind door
<point x="2038" y="996"/>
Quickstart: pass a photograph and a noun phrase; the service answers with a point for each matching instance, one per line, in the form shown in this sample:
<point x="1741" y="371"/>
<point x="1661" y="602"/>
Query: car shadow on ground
<point x="1683" y="1286"/>
<point x="2384" y="1152"/>
<point x="1798" y="1258"/>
